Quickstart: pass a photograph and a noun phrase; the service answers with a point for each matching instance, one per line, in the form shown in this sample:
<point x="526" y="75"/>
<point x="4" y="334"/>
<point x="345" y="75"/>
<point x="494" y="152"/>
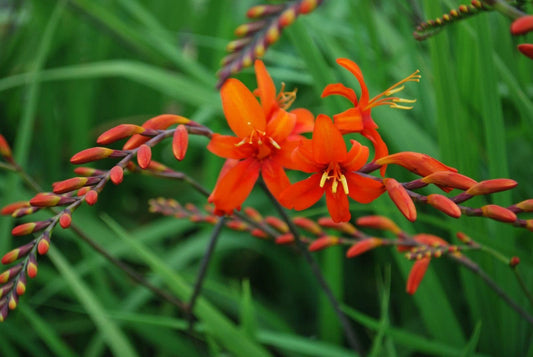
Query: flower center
<point x="334" y="172"/>
<point x="261" y="141"/>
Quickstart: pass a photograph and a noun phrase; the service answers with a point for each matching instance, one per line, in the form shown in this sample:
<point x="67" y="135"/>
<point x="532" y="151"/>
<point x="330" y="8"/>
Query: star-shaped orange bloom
<point x="333" y="168"/>
<point x="358" y="119"/>
<point x="266" y="134"/>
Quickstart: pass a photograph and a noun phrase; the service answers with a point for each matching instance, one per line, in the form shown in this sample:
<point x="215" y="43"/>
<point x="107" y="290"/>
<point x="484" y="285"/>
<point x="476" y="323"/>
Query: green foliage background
<point x="71" y="69"/>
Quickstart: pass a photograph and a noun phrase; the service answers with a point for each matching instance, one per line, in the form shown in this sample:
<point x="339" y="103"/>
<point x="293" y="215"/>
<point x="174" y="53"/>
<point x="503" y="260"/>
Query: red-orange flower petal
<point x="226" y="146"/>
<point x="235" y="186"/>
<point x="305" y="121"/>
<point x="266" y="88"/>
<point x="356" y="158"/>
<point x="280" y="126"/>
<point x="338" y="205"/>
<point x="274" y="176"/>
<point x="242" y="110"/>
<point x="417" y="273"/>
<point x="340" y="89"/>
<point x="356" y="71"/>
<point x="363" y="189"/>
<point x="327" y="142"/>
<point x="349" y="121"/>
<point x="302" y="194"/>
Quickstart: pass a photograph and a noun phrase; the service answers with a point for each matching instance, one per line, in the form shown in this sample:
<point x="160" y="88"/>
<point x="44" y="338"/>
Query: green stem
<point x="505" y="8"/>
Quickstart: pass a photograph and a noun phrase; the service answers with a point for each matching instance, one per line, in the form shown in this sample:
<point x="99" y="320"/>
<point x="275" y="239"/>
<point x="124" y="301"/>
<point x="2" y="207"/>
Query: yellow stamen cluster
<point x="257" y="136"/>
<point x="336" y="176"/>
<point x="392" y="101"/>
<point x="285" y="99"/>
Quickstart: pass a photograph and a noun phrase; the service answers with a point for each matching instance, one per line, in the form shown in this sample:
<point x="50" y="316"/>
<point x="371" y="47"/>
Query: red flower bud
<point x="119" y="132"/>
<point x="87" y="171"/>
<point x="420" y="164"/>
<point x="323" y="242"/>
<point x="10" y="273"/>
<point x="514" y="262"/>
<point x="526" y="49"/>
<point x="464" y="238"/>
<point x="363" y="246"/>
<point x="45" y="199"/>
<point x="449" y="179"/>
<point x="91" y="197"/>
<point x="30" y="227"/>
<point x="498" y="213"/>
<point x="91" y="154"/>
<point x="144" y="156"/>
<point x="74" y="184"/>
<point x="400" y="197"/>
<point x="344" y="227"/>
<point x="116" y="174"/>
<point x="237" y="225"/>
<point x="522" y="25"/>
<point x="307" y="224"/>
<point x="180" y="142"/>
<point x="253" y="214"/>
<point x="444" y="204"/>
<point x="417" y="273"/>
<point x="491" y="186"/>
<point x="65" y="220"/>
<point x="5" y="150"/>
<point x="43" y="245"/>
<point x="31" y="269"/>
<point x="430" y="240"/>
<point x="158" y="123"/>
<point x="12" y="207"/>
<point x="378" y="222"/>
<point x="277" y="223"/>
<point x="17" y="253"/>
<point x="525" y="206"/>
<point x="286" y="238"/>
<point x="262" y="11"/>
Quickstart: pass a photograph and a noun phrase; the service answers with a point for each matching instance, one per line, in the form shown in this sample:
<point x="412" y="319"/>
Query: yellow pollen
<point x="336" y="176"/>
<point x="403" y="107"/>
<point x="274" y="143"/>
<point x="394" y="90"/>
<point x="323" y="179"/>
<point x="334" y="186"/>
<point x="285" y="99"/>
<point x="403" y="100"/>
<point x="398" y="87"/>
<point x="344" y="184"/>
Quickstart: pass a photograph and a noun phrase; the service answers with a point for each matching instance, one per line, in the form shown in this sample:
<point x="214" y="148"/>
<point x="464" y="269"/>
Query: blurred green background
<point x="69" y="70"/>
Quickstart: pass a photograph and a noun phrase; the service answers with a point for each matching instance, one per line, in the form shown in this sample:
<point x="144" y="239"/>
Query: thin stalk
<point x="523" y="285"/>
<point x="204" y="265"/>
<point x="493" y="285"/>
<point x="348" y="330"/>
<point x="505" y="8"/>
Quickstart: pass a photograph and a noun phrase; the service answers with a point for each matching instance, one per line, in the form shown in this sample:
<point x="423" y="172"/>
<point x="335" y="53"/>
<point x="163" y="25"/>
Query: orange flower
<point x="333" y="166"/>
<point x="358" y="119"/>
<point x="266" y="134"/>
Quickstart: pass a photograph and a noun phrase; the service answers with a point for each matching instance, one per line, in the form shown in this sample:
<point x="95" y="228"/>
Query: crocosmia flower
<point x="358" y="119"/>
<point x="265" y="135"/>
<point x="334" y="173"/>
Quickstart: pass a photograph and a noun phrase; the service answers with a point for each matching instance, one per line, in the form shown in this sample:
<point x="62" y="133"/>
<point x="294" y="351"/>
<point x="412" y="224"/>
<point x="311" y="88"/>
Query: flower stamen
<point x="285" y="99"/>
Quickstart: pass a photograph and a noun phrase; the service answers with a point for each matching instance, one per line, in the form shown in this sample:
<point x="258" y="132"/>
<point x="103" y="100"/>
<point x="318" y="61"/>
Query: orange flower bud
<point x="363" y="246"/>
<point x="24" y="211"/>
<point x="91" y="197"/>
<point x="420" y="164"/>
<point x="444" y="204"/>
<point x="464" y="238"/>
<point x="287" y="17"/>
<point x="159" y="122"/>
<point x="378" y="222"/>
<point x="262" y="10"/>
<point x="31" y="269"/>
<point x="10" y="273"/>
<point x="307" y="224"/>
<point x="5" y="150"/>
<point x="286" y="238"/>
<point x="400" y="197"/>
<point x="116" y="174"/>
<point x="529" y="225"/>
<point x="16" y="253"/>
<point x="65" y="220"/>
<point x="119" y="132"/>
<point x="430" y="240"/>
<point x="522" y="25"/>
<point x="13" y="301"/>
<point x="306" y="6"/>
<point x="30" y="227"/>
<point x="144" y="156"/>
<point x="237" y="225"/>
<point x="87" y="171"/>
<point x="180" y="142"/>
<point x="277" y="223"/>
<point x="525" y="206"/>
<point x="514" y="262"/>
<point x="91" y="154"/>
<point x="74" y="184"/>
<point x="82" y="191"/>
<point x="498" y="213"/>
<point x="12" y="207"/>
<point x="258" y="233"/>
<point x="526" y="49"/>
<point x="43" y="245"/>
<point x="449" y="179"/>
<point x="253" y="214"/>
<point x="157" y="167"/>
<point x="21" y="285"/>
<point x="5" y="289"/>
<point x="344" y="227"/>
<point x="323" y="242"/>
<point x="417" y="273"/>
<point x="491" y="186"/>
<point x="45" y="199"/>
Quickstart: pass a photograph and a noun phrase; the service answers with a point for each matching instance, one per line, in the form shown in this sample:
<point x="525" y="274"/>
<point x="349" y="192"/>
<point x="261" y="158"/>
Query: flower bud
<point x="400" y="197"/>
<point x="323" y="242"/>
<point x="363" y="246"/>
<point x="491" y="186"/>
<point x="417" y="274"/>
<point x="144" y="156"/>
<point x="498" y="213"/>
<point x="445" y="205"/>
<point x="119" y="132"/>
<point x="378" y="222"/>
<point x="180" y="142"/>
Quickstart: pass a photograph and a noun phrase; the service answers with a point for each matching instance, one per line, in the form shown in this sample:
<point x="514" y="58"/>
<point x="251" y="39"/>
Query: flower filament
<point x="285" y="99"/>
<point x="391" y="101"/>
<point x="336" y="175"/>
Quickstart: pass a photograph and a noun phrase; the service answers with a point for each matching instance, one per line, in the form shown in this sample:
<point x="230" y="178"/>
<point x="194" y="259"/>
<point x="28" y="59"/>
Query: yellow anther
<point x="404" y="107"/>
<point x="323" y="179"/>
<point x="334" y="186"/>
<point x="274" y="143"/>
<point x="403" y="100"/>
<point x="344" y="184"/>
<point x="394" y="90"/>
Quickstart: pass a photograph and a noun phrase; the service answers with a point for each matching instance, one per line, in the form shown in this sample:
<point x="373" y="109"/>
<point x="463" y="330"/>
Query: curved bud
<point x="307" y="224"/>
<point x="253" y="214"/>
<point x="159" y="122"/>
<point x="12" y="207"/>
<point x="445" y="205"/>
<point x="13" y="301"/>
<point x="258" y="233"/>
<point x="180" y="142"/>
<point x="144" y="156"/>
<point x="44" y="244"/>
<point x="21" y="285"/>
<point x="306" y="6"/>
<point x="17" y="253"/>
<point x="491" y="186"/>
<point x="262" y="10"/>
<point x="363" y="246"/>
<point x="378" y="222"/>
<point x="286" y="238"/>
<point x="88" y="171"/>
<point x="119" y="132"/>
<point x="116" y="174"/>
<point x="30" y="227"/>
<point x="498" y="213"/>
<point x="277" y="224"/>
<point x="430" y="240"/>
<point x="322" y="243"/>
<point x="420" y="164"/>
<point x="400" y="197"/>
<point x="450" y="179"/>
<point x="464" y="238"/>
<point x="237" y="225"/>
<point x="91" y="154"/>
<point x="417" y="274"/>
